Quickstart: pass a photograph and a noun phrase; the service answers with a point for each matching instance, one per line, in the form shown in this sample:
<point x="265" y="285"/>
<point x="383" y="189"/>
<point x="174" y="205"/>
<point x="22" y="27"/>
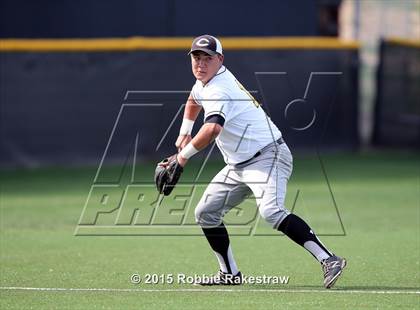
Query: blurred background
<point x="68" y="68"/>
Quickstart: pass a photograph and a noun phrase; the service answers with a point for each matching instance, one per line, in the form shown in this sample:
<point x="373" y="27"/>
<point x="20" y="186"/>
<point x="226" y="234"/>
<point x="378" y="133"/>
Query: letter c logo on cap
<point x="203" y="42"/>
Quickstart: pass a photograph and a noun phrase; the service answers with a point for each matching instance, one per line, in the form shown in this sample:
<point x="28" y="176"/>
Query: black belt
<point x="279" y="141"/>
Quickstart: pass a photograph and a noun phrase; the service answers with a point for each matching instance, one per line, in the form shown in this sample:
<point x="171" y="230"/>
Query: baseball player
<point x="257" y="161"/>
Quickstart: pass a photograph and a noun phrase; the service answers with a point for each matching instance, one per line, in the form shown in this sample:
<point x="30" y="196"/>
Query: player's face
<point x="205" y="66"/>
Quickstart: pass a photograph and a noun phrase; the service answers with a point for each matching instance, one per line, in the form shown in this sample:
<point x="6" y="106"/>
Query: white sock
<point x="224" y="266"/>
<point x="316" y="250"/>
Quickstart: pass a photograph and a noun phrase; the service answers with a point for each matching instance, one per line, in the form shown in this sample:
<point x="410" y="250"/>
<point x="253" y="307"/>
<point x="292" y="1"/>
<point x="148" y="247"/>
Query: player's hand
<point x="181" y="160"/>
<point x="182" y="141"/>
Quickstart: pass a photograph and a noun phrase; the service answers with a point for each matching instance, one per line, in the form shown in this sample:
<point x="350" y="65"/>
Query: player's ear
<point x="221" y="57"/>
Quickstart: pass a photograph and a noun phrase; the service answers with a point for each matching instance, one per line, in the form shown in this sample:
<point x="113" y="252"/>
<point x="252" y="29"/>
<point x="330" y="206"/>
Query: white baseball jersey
<point x="247" y="128"/>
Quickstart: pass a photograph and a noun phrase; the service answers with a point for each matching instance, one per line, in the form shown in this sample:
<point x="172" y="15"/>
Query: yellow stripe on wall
<point x="164" y="43"/>
<point x="404" y="42"/>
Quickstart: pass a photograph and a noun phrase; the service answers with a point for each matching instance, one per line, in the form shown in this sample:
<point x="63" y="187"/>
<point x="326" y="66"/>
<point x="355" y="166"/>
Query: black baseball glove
<point x="167" y="174"/>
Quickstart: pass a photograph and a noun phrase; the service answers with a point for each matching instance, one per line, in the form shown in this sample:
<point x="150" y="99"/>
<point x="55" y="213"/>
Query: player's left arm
<point x="211" y="128"/>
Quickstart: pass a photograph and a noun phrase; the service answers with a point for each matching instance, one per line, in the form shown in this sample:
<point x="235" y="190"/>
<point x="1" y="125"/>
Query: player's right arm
<point x="192" y="109"/>
<point x="218" y="107"/>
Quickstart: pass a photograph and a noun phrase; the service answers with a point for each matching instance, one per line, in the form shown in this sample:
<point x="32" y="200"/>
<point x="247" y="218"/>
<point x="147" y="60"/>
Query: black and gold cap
<point x="207" y="44"/>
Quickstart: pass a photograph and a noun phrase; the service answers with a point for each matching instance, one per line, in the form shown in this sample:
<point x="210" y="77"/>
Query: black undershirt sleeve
<point x="215" y="118"/>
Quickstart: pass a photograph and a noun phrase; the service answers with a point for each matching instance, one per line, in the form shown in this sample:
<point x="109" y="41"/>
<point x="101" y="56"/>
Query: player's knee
<point x="273" y="216"/>
<point x="197" y="213"/>
<point x="207" y="219"/>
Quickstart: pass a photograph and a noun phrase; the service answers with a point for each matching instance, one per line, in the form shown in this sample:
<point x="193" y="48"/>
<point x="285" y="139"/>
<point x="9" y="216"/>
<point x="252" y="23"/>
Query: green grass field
<point x="377" y="196"/>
